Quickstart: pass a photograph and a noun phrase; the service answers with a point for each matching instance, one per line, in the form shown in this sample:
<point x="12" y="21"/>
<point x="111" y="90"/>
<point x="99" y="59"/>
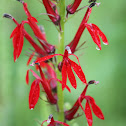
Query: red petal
<point x="14" y="32"/>
<point x="102" y="35"/>
<point x="46" y="58"/>
<point x="94" y="35"/>
<point x="35" y="75"/>
<point x="64" y="75"/>
<point x="27" y="77"/>
<point x="97" y="111"/>
<point x="30" y="58"/>
<point x="71" y="76"/>
<point x="34" y="94"/>
<point x="88" y="113"/>
<point x="78" y="71"/>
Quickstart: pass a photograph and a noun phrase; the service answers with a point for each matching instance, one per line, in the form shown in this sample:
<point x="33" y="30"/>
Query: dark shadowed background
<point x="108" y="66"/>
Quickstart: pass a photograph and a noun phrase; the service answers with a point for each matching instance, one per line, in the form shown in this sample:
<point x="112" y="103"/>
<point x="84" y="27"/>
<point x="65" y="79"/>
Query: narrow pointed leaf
<point x="34" y="94"/>
<point x="78" y="71"/>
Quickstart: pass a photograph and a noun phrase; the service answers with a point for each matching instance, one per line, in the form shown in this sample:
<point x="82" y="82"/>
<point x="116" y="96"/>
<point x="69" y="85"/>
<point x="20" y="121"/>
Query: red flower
<point x="71" y="9"/>
<point x="38" y="33"/>
<point x="67" y="69"/>
<point x="69" y="115"/>
<point x="95" y="32"/>
<point x="53" y="15"/>
<point x="34" y="92"/>
<point x="52" y="122"/>
<point x="73" y="44"/>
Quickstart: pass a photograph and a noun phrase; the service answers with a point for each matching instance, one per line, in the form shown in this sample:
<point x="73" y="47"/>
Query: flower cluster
<point x="46" y="60"/>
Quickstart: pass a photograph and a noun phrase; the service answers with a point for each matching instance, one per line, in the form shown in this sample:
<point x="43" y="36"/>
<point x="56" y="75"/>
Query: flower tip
<point x="98" y="48"/>
<point x="20" y="1"/>
<point x="7" y="16"/>
<point x="105" y="43"/>
<point x="31" y="108"/>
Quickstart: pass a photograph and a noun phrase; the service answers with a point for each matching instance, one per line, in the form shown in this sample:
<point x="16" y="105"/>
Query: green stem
<point x="62" y="10"/>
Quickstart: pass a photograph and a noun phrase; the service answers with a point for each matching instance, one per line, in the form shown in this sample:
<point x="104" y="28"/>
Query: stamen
<point x="7" y="16"/>
<point x="68" y="49"/>
<point x="20" y="1"/>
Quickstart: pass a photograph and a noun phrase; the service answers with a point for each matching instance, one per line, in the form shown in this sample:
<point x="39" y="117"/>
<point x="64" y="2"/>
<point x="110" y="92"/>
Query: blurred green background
<point x="108" y="66"/>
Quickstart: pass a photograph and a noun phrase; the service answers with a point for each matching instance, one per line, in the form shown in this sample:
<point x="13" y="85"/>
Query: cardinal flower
<point x="37" y="31"/>
<point x="93" y="30"/>
<point x="35" y="89"/>
<point x="70" y="114"/>
<point x="52" y="122"/>
<point x="67" y="67"/>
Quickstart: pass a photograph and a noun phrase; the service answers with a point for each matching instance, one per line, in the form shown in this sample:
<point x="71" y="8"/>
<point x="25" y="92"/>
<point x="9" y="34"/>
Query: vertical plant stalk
<point x="62" y="10"/>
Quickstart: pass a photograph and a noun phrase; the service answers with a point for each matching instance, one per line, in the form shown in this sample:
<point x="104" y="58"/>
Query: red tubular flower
<point x="73" y="44"/>
<point x="67" y="69"/>
<point x="38" y="33"/>
<point x="69" y="115"/>
<point x="34" y="94"/>
<point x="53" y="15"/>
<point x="52" y="122"/>
<point x="18" y="35"/>
<point x="71" y="9"/>
<point x="95" y="32"/>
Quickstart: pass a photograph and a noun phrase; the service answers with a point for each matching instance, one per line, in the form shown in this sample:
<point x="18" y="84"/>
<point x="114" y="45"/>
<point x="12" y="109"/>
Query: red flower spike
<point x="97" y="111"/>
<point x="27" y="77"/>
<point x="88" y="113"/>
<point x="73" y="44"/>
<point x="52" y="122"/>
<point x="71" y="9"/>
<point x="52" y="14"/>
<point x="65" y="70"/>
<point x="34" y="94"/>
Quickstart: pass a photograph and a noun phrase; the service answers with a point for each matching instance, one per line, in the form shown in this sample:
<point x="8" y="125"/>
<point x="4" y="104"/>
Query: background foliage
<point x="108" y="65"/>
